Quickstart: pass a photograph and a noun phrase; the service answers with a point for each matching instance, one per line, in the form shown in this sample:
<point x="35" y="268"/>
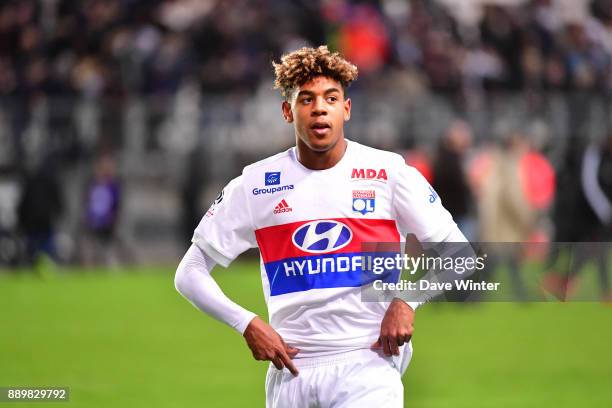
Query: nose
<point x="318" y="107"/>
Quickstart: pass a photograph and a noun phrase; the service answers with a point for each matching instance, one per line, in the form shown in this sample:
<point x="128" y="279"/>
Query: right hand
<point x="267" y="344"/>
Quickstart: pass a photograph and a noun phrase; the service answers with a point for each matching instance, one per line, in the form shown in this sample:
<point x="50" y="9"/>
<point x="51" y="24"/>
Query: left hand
<point x="396" y="328"/>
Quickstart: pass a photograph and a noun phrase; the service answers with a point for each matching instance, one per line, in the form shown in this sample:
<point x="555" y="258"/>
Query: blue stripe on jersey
<point x="326" y="271"/>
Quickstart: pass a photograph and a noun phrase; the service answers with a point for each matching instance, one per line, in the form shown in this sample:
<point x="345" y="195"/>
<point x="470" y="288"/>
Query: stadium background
<point x="120" y="121"/>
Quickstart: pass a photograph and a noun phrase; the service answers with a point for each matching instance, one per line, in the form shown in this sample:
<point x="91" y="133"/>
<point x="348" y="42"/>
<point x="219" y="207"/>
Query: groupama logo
<point x="272" y="178"/>
<point x="322" y="236"/>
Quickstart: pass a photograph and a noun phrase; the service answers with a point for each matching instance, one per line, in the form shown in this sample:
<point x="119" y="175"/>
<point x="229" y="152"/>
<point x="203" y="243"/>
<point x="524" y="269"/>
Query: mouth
<point x="320" y="128"/>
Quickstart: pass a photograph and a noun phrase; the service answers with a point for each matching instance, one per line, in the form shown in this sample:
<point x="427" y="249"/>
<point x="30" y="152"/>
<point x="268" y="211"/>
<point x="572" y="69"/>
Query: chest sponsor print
<point x="326" y="253"/>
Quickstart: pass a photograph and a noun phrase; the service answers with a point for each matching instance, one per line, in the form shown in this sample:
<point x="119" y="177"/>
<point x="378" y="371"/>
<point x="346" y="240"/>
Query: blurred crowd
<point x="97" y="94"/>
<point x="77" y="77"/>
<point x="57" y="57"/>
<point x="118" y="47"/>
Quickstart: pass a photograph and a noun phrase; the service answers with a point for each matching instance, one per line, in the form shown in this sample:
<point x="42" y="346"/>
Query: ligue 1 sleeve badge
<point x="211" y="210"/>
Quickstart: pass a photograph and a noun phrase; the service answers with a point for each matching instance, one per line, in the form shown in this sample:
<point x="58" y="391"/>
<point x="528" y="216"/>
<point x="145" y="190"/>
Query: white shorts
<point x="360" y="378"/>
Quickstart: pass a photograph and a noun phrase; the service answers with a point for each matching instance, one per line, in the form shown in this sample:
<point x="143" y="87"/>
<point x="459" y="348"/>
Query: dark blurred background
<point x="120" y="121"/>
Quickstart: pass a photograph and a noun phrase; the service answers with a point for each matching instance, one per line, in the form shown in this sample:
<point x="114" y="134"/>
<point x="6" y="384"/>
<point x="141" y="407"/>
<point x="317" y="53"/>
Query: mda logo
<point x="322" y="236"/>
<point x="273" y="178"/>
<point x="369" y="174"/>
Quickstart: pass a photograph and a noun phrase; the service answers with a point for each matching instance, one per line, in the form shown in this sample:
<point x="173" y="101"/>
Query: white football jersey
<point x="309" y="226"/>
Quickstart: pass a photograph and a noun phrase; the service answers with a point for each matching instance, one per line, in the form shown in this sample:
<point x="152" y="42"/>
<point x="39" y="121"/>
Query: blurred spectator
<point x="449" y="177"/>
<point x="505" y="215"/>
<point x="518" y="187"/>
<point x="102" y="205"/>
<point x="585" y="188"/>
<point x="596" y="183"/>
<point x="40" y="207"/>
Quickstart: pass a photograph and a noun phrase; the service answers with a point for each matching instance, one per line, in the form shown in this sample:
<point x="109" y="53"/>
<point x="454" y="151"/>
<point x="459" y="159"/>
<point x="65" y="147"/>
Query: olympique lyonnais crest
<point x="364" y="201"/>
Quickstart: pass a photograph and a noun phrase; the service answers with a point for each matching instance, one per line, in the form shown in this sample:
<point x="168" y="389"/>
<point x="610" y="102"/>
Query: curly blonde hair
<point x="301" y="66"/>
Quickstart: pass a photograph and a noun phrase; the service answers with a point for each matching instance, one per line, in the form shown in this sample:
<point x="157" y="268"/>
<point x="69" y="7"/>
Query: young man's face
<point x="318" y="110"/>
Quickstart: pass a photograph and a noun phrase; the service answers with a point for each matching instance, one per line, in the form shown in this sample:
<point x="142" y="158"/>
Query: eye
<point x="332" y="99"/>
<point x="306" y="100"/>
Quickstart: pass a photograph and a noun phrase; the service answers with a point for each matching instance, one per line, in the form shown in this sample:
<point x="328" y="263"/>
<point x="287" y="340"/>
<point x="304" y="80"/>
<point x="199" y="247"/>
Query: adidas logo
<point x="282" y="207"/>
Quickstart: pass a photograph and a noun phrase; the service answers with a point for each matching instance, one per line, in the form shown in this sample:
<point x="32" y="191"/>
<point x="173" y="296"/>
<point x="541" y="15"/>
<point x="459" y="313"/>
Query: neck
<point x="320" y="160"/>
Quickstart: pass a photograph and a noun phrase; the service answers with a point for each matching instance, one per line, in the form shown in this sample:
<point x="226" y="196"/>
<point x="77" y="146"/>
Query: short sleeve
<point x="418" y="208"/>
<point x="226" y="231"/>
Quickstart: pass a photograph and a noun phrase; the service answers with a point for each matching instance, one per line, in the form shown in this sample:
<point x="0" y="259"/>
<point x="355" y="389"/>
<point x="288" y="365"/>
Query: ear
<point x="347" y="109"/>
<point x="287" y="113"/>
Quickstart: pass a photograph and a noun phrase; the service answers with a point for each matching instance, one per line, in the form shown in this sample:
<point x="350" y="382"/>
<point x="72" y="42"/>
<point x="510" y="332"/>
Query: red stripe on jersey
<point x="275" y="243"/>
